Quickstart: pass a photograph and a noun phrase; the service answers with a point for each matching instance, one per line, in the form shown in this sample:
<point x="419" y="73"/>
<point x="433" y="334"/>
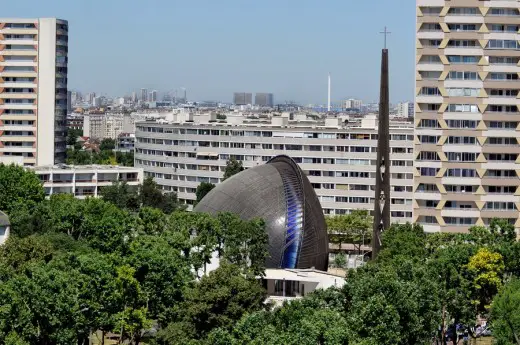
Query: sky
<point x="216" y="47"/>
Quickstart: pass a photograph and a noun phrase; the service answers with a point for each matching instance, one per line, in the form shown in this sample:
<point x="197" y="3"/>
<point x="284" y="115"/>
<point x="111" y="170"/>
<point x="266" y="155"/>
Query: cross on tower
<point x="386" y="33"/>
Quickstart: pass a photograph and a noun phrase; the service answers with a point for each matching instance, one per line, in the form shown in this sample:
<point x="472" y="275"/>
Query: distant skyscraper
<point x="33" y="92"/>
<point x="264" y="99"/>
<point x="134" y="97"/>
<point x="242" y="98"/>
<point x="144" y="95"/>
<point x="91" y="97"/>
<point x="352" y="104"/>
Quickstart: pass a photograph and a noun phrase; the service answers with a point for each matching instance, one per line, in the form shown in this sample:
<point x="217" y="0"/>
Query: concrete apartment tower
<point x="33" y="90"/>
<point x="467" y="122"/>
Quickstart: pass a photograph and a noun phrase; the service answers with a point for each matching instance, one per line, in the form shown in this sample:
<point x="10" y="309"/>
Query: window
<point x="429" y="171"/>
<point x="462" y="75"/>
<point x="461" y="156"/>
<point x="462" y="27"/>
<point x="462" y="92"/>
<point x="463" y="11"/>
<point x="463" y="108"/>
<point x="428" y="156"/>
<point x="502" y="44"/>
<point x="462" y="140"/>
<point x="462" y="44"/>
<point x="503" y="12"/>
<point x="430" y="91"/>
<point x="504" y="76"/>
<point x="503" y="60"/>
<point x="456" y="59"/>
<point x="504" y="28"/>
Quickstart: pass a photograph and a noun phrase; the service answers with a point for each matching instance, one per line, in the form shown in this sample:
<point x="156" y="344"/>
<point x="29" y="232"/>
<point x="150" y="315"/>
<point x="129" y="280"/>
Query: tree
<point x="218" y="300"/>
<point x="122" y="195"/>
<point x="20" y="188"/>
<point x="107" y="144"/>
<point x="72" y="136"/>
<point x="505" y="314"/>
<point x="233" y="167"/>
<point x="151" y="196"/>
<point x="340" y="260"/>
<point x="404" y="240"/>
<point x="203" y="189"/>
<point x="486" y="269"/>
<point x="349" y="228"/>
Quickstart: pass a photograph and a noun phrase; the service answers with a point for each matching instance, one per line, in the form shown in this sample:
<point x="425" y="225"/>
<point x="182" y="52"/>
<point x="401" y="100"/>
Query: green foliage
<point x="20" y="189"/>
<point x="486" y="269"/>
<point x="107" y="144"/>
<point x="233" y="167"/>
<point x="505" y="314"/>
<point x="72" y="136"/>
<point x="340" y="260"/>
<point x="218" y="301"/>
<point x="404" y="240"/>
<point x="202" y="189"/>
<point x="350" y="228"/>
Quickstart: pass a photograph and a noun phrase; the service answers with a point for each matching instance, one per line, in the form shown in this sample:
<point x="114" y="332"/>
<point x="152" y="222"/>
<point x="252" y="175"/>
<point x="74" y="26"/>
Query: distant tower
<point x="328" y="102"/>
<point x="382" y="196"/>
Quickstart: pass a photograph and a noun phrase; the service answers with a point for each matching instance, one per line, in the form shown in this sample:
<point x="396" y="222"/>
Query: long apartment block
<point x="33" y="90"/>
<point x="339" y="159"/>
<point x="467" y="124"/>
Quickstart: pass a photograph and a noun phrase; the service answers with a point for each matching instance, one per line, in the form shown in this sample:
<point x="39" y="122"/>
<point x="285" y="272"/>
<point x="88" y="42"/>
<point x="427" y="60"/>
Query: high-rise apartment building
<point x="33" y="90"/>
<point x="264" y="99"/>
<point x="467" y="114"/>
<point x="405" y="109"/>
<point x="144" y="95"/>
<point x="352" y="104"/>
<point x="242" y="98"/>
<point x="153" y="96"/>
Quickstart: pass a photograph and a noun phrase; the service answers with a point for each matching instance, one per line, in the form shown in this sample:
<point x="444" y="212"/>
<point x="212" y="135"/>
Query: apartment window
<point x="501" y="173"/>
<point x="503" y="108"/>
<point x="500" y="206"/>
<point x="462" y="59"/>
<point x="461" y="156"/>
<point x="430" y="91"/>
<point x="502" y="44"/>
<point x="429" y="171"/>
<point x="430" y="107"/>
<point x="503" y="93"/>
<point x="504" y="76"/>
<point x="429" y="124"/>
<point x="462" y="75"/>
<point x="504" y="28"/>
<point x="427" y="188"/>
<point x="462" y="44"/>
<point x="431" y="11"/>
<point x="462" y="140"/>
<point x="463" y="11"/>
<point x="463" y="108"/>
<point x="503" y="12"/>
<point x="430" y="75"/>
<point x="507" y="157"/>
<point x="428" y="139"/>
<point x="503" y="124"/>
<point x="462" y="27"/>
<point x="431" y="27"/>
<point x="462" y="92"/>
<point x="503" y="60"/>
<point x="430" y="59"/>
<point x="428" y="156"/>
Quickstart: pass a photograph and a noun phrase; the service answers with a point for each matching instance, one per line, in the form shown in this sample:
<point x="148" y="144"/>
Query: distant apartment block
<point x="33" y="90"/>
<point x="85" y="181"/>
<point x="339" y="160"/>
<point x="75" y="121"/>
<point x="144" y="95"/>
<point x="405" y="110"/>
<point x="264" y="99"/>
<point x="102" y="126"/>
<point x="467" y="116"/>
<point x="242" y="98"/>
<point x="352" y="104"/>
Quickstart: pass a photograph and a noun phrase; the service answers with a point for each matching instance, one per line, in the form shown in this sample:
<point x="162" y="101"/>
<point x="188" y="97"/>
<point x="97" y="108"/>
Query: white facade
<point x="405" y="109"/>
<point x="33" y="90"/>
<point x="102" y="126"/>
<point x="339" y="161"/>
<point x="352" y="104"/>
<point x="86" y="180"/>
<point x="4" y="228"/>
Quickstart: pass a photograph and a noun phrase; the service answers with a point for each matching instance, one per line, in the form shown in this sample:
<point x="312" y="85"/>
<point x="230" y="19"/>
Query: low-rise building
<point x="85" y="180"/>
<point x="338" y="157"/>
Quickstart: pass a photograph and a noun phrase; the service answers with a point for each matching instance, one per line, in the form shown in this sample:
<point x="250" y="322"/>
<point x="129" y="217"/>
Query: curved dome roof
<point x="280" y="194"/>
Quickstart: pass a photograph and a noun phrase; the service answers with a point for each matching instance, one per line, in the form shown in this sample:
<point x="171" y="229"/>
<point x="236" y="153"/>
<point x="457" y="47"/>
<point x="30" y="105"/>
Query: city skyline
<point x="290" y="59"/>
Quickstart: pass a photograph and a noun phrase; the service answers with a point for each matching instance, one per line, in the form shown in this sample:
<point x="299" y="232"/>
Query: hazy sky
<point x="216" y="47"/>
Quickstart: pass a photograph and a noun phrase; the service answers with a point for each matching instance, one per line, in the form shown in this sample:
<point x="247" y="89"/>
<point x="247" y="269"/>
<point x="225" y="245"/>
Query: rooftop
<point x="81" y="167"/>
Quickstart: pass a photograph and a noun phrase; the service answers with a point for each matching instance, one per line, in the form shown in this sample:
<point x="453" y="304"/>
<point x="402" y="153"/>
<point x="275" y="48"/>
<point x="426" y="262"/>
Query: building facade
<point x="242" y="98"/>
<point x="103" y="126"/>
<point x="405" y="110"/>
<point x="264" y="99"/>
<point x="33" y="90"/>
<point x="339" y="161"/>
<point x="85" y="180"/>
<point x="467" y="116"/>
<point x="352" y="104"/>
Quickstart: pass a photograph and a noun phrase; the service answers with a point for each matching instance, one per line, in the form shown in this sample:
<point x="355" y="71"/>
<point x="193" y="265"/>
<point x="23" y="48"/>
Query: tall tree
<point x="203" y="189"/>
<point x="122" y="195"/>
<point x="107" y="144"/>
<point x="505" y="314"/>
<point x="19" y="188"/>
<point x="233" y="167"/>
